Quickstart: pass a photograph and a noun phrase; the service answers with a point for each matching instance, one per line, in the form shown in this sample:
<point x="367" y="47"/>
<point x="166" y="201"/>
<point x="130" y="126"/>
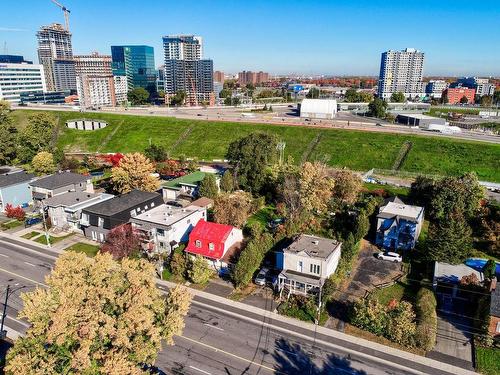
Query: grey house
<point x="59" y="183"/>
<point x="97" y="220"/>
<point x="64" y="210"/>
<point x="14" y="189"/>
<point x="306" y="263"/>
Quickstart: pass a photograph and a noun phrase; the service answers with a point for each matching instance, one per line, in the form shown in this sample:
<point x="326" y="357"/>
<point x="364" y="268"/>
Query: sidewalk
<point x="370" y="349"/>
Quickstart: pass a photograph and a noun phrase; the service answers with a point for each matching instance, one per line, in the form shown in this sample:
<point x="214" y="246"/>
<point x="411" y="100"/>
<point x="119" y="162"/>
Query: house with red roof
<point x="217" y="243"/>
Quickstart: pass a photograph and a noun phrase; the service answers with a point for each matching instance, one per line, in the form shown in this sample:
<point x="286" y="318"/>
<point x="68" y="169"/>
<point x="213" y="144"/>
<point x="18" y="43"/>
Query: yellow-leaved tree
<point x="315" y="186"/>
<point x="135" y="171"/>
<point x="96" y="316"/>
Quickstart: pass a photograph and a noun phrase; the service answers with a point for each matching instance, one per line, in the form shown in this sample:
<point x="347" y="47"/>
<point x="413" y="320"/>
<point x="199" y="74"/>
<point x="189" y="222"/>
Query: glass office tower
<point x="137" y="63"/>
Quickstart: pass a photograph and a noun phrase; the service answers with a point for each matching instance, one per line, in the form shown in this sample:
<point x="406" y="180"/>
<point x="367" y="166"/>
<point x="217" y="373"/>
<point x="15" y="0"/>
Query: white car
<point x="393" y="257"/>
<point x="261" y="277"/>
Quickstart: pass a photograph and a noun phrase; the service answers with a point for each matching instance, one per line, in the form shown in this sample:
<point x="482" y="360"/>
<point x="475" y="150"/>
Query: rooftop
<point x="59" y="179"/>
<point x="122" y="202"/>
<point x="453" y="273"/>
<point x="192" y="179"/>
<point x="495" y="301"/>
<point x="203" y="202"/>
<point x="405" y="211"/>
<point x="75" y="198"/>
<point x="15" y="178"/>
<point x="313" y="246"/>
<point x="419" y="116"/>
<point x="166" y="215"/>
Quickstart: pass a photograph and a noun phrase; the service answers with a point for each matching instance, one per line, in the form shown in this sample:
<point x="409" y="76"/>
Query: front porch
<point x="293" y="282"/>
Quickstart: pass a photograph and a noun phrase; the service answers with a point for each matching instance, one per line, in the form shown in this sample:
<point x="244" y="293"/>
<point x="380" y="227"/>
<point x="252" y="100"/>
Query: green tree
<point x="398" y="97"/>
<point x="489" y="269"/>
<point x="156" y="152"/>
<point x="178" y="264"/>
<point x="225" y="93"/>
<point x="178" y="99"/>
<point x="208" y="187"/>
<point x="377" y="108"/>
<point x="250" y="86"/>
<point x="36" y="136"/>
<point x="96" y="316"/>
<point x="313" y="93"/>
<point x="138" y="96"/>
<point x="496" y="97"/>
<point x="464" y="100"/>
<point x="43" y="163"/>
<point x="227" y="182"/>
<point x="199" y="271"/>
<point x="8" y="134"/>
<point x="486" y="101"/>
<point x="250" y="156"/>
<point x="449" y="240"/>
<point x="135" y="171"/>
<point x="365" y="97"/>
<point x="444" y="98"/>
<point x="351" y="96"/>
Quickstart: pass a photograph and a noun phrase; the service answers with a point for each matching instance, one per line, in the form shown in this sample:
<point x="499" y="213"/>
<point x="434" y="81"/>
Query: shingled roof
<point x="59" y="180"/>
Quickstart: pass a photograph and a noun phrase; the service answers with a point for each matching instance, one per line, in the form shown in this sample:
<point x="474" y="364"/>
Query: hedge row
<point x="425" y="306"/>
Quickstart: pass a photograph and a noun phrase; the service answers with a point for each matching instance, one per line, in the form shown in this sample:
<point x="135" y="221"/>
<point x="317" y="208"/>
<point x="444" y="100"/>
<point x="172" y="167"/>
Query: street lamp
<point x="3" y="334"/>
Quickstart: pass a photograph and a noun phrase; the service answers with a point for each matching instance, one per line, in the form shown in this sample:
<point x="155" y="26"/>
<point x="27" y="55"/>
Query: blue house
<point x="14" y="189"/>
<point x="398" y="225"/>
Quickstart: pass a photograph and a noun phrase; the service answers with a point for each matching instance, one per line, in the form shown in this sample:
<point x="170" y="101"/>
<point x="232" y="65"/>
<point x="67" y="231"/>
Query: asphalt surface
<point x="219" y="338"/>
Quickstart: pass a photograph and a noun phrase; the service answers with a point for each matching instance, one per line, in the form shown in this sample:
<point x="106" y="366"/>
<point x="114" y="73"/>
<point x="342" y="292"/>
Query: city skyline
<point x="280" y="37"/>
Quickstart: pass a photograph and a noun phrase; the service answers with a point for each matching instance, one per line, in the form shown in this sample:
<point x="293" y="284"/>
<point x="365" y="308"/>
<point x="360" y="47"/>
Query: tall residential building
<point x="219" y="76"/>
<point x="94" y="80"/>
<point x="435" y="88"/>
<point x="254" y="78"/>
<point x="401" y="71"/>
<point x="55" y="53"/>
<point x="160" y="78"/>
<point x="137" y="63"/>
<point x="121" y="89"/>
<point x="183" y="47"/>
<point x="16" y="79"/>
<point x="186" y="70"/>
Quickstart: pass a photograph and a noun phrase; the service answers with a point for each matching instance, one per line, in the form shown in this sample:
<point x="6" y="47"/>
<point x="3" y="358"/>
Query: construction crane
<point x="66" y="13"/>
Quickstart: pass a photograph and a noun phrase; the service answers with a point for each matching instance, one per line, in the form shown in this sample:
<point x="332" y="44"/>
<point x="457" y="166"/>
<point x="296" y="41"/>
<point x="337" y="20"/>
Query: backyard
<point x="208" y="140"/>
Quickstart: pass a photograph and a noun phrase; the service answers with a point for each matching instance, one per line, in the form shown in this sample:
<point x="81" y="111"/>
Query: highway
<point x="220" y="339"/>
<point x="281" y="116"/>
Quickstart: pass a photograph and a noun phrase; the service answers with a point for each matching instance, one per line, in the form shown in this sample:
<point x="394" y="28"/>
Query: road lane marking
<point x="200" y="370"/>
<point x="230" y="354"/>
<point x="23" y="277"/>
<point x="212" y="326"/>
<point x="3" y="255"/>
<point x="29" y="264"/>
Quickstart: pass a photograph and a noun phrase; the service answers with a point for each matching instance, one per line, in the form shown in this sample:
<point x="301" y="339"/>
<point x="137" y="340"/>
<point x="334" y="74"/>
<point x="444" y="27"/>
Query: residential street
<point x="224" y="339"/>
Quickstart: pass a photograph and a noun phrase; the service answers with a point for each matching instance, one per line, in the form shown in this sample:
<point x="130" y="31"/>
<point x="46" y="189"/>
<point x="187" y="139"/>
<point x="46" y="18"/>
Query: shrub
<point x="14" y="212"/>
<point x="178" y="264"/>
<point x="199" y="271"/>
<point x="425" y="307"/>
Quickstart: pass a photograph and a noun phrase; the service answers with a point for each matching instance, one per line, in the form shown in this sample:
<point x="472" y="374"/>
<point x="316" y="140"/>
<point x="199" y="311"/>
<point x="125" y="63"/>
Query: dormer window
<point x="198" y="243"/>
<point x="211" y="246"/>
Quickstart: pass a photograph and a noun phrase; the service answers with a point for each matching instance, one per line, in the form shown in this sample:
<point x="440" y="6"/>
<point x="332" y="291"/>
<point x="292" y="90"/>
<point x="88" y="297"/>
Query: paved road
<point x="344" y="121"/>
<point x="221" y="339"/>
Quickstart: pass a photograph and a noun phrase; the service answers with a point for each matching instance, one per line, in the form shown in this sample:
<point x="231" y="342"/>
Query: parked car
<point x="393" y="257"/>
<point x="174" y="203"/>
<point x="275" y="223"/>
<point x="261" y="277"/>
<point x="32" y="221"/>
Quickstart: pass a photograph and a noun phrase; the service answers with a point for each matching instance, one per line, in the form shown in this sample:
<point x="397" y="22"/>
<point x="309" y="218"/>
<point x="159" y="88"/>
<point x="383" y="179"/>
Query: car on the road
<point x="199" y="114"/>
<point x="393" y="257"/>
<point x="261" y="277"/>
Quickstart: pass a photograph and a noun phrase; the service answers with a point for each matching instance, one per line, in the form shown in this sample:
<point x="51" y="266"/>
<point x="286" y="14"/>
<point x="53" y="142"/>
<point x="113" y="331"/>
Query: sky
<point x="281" y="37"/>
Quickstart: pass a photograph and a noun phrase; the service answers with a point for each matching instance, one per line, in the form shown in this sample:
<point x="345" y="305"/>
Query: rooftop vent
<point x="315" y="242"/>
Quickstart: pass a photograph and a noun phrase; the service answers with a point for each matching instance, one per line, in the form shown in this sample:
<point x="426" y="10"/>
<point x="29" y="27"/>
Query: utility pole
<point x="47" y="237"/>
<point x="3" y="334"/>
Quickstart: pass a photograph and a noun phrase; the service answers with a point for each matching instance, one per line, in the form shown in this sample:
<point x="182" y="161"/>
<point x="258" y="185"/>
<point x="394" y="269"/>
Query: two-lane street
<point x="218" y="339"/>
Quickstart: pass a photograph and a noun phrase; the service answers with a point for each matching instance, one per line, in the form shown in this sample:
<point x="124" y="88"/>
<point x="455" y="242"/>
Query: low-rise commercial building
<point x="16" y="79"/>
<point x="418" y="119"/>
<point x="455" y="95"/>
<point x="39" y="97"/>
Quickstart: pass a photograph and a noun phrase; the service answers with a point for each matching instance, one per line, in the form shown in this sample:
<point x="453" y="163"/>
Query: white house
<point x="306" y="263"/>
<point x="166" y="226"/>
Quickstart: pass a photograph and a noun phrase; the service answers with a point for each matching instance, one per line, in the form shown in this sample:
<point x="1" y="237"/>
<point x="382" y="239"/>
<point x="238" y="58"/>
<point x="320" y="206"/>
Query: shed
<point x="318" y="108"/>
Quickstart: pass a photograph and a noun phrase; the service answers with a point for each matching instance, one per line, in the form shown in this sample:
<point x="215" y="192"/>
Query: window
<point x="300" y="266"/>
<point x="314" y="268"/>
<point x="152" y="204"/>
<point x="211" y="246"/>
<point x="198" y="243"/>
<point x="160" y="231"/>
<point x="498" y="327"/>
<point x="132" y="213"/>
<point x="100" y="222"/>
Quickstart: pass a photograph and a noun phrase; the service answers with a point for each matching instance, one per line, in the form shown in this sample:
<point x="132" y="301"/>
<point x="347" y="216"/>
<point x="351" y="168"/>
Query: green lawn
<point x="52" y="239"/>
<point x="488" y="360"/>
<point x="435" y="111"/>
<point x="30" y="235"/>
<point x="263" y="216"/>
<point x="81" y="247"/>
<point x="208" y="140"/>
<point x="401" y="192"/>
<point x="398" y="291"/>
<point x="6" y="225"/>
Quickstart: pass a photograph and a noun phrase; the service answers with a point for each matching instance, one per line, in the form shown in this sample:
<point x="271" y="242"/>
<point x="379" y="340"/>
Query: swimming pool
<point x="478" y="264"/>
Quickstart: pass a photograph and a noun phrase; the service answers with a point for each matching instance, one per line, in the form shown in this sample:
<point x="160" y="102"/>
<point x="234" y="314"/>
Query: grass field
<point x="9" y="224"/>
<point x="208" y="140"/>
<point x="30" y="235"/>
<point x="81" y="247"/>
<point x="488" y="360"/>
<point x="52" y="239"/>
